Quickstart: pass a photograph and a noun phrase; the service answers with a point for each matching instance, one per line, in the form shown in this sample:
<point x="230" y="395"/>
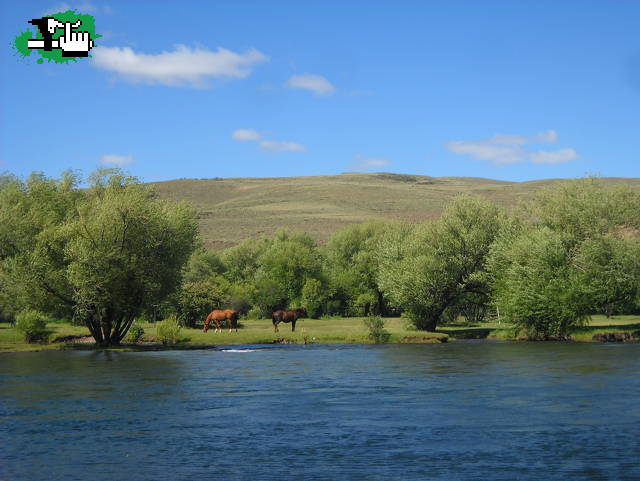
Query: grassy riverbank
<point x="320" y="331"/>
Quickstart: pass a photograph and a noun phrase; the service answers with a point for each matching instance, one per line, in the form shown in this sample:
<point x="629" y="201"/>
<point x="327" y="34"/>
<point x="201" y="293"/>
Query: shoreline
<point x="64" y="336"/>
<point x="149" y="347"/>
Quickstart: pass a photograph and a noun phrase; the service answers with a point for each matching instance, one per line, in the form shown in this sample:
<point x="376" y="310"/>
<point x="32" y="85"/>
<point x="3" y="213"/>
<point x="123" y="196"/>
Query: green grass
<point x="320" y="331"/>
<point x="11" y="340"/>
<point x="602" y="324"/>
<point x="495" y="330"/>
<point x="231" y="210"/>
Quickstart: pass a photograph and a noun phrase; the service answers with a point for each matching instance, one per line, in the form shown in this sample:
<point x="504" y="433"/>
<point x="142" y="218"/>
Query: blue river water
<point x="468" y="410"/>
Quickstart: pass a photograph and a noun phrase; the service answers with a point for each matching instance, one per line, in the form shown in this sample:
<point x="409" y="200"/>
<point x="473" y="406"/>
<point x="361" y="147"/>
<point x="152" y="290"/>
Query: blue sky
<point x="514" y="90"/>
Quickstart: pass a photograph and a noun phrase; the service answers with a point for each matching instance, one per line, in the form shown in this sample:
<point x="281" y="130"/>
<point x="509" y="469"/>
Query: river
<point x="467" y="410"/>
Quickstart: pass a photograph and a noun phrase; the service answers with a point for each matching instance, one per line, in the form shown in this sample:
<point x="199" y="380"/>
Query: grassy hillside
<point x="234" y="209"/>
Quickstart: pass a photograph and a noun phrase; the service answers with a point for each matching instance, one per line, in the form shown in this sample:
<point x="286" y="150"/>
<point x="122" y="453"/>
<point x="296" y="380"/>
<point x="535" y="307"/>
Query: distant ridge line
<point x="235" y="208"/>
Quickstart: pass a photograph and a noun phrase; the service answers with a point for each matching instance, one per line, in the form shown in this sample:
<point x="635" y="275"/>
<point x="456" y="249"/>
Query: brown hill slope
<point x="237" y="208"/>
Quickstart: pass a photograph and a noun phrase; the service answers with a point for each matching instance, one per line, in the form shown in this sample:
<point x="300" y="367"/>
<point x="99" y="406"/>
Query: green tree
<point x="125" y="250"/>
<point x="352" y="264"/>
<point x="284" y="268"/>
<point x="535" y="285"/>
<point x="203" y="265"/>
<point x="104" y="254"/>
<point x="608" y="268"/>
<point x="33" y="267"/>
<point x="314" y="295"/>
<point x="440" y="262"/>
<point x="585" y="208"/>
<point x="197" y="299"/>
<point x="269" y="295"/>
<point x="242" y="261"/>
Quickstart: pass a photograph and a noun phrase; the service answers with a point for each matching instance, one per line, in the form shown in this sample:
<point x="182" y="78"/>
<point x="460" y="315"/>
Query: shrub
<point x="255" y="313"/>
<point x="313" y="295"/>
<point x="197" y="299"/>
<point x="363" y="305"/>
<point x="377" y="332"/>
<point x="535" y="284"/>
<point x="168" y="330"/>
<point x="32" y="325"/>
<point x="135" y="334"/>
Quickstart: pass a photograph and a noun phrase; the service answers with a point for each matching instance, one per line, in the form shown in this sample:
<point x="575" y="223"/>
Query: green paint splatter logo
<point x="60" y="37"/>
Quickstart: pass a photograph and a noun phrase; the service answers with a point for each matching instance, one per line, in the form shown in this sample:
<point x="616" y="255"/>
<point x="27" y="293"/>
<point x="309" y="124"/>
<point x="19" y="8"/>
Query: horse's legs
<point x="293" y="326"/>
<point x="275" y="326"/>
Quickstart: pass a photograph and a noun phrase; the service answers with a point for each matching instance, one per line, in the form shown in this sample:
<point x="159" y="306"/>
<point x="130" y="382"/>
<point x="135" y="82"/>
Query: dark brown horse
<point x="287" y="316"/>
<point x="217" y="316"/>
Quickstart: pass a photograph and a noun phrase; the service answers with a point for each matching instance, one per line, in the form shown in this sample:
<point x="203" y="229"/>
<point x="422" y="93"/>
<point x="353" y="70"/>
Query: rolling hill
<point x="233" y="209"/>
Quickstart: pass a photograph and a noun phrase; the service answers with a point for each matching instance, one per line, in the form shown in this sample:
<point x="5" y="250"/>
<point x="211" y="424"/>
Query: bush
<point x="377" y="332"/>
<point x="168" y="330"/>
<point x="134" y="335"/>
<point x="255" y="313"/>
<point x="313" y="295"/>
<point x="363" y="305"/>
<point x="197" y="299"/>
<point x="32" y="325"/>
<point x="535" y="284"/>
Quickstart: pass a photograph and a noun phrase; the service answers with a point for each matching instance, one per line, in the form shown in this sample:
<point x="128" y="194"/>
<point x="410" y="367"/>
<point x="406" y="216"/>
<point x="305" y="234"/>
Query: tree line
<point x="112" y="252"/>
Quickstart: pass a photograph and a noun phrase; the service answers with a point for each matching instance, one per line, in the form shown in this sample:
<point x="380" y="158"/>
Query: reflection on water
<point x="465" y="410"/>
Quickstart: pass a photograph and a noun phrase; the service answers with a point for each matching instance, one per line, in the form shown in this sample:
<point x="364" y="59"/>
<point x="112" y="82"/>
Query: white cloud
<point x="504" y="149"/>
<point x="546" y="137"/>
<point x="484" y="150"/>
<point x="182" y="67"/>
<point x="250" y="135"/>
<point x="245" y="135"/>
<point x="315" y="83"/>
<point x="557" y="157"/>
<point x="82" y="8"/>
<point x="116" y="160"/>
<point x="368" y="163"/>
<point x="279" y="146"/>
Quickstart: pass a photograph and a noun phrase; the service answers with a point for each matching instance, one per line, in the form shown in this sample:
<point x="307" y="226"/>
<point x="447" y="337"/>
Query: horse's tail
<point x="236" y="316"/>
<point x="276" y="317"/>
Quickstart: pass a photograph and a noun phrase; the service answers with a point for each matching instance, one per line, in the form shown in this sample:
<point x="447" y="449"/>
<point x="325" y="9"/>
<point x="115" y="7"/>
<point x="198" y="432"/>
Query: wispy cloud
<point x="504" y="149"/>
<point x="280" y="146"/>
<point x="315" y="83"/>
<point x="245" y="135"/>
<point x="81" y="7"/>
<point x="183" y="66"/>
<point x="250" y="135"/>
<point x="368" y="163"/>
<point x="115" y="160"/>
<point x="555" y="157"/>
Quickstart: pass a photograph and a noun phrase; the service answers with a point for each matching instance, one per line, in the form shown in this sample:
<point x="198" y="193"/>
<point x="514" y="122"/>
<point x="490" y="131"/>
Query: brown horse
<point x="217" y="316"/>
<point x="287" y="316"/>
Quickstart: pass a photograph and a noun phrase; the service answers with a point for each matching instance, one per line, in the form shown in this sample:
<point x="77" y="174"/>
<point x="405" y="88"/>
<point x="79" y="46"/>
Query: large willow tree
<point x="577" y="253"/>
<point x="440" y="264"/>
<point x="104" y="253"/>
